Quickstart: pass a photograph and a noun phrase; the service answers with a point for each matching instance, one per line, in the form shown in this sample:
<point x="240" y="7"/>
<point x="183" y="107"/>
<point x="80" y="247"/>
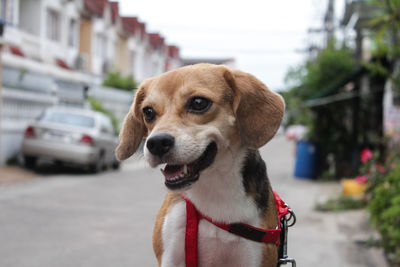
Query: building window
<point x="53" y="25"/>
<point x="72" y="33"/>
<point x="6" y="11"/>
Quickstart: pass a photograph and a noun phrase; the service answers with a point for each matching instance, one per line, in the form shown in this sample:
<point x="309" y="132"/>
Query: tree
<point x="328" y="124"/>
<point x="386" y="21"/>
<point x="116" y="80"/>
<point x="332" y="64"/>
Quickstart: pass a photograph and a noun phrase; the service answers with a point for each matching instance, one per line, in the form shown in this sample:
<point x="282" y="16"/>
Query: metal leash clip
<point x="282" y="253"/>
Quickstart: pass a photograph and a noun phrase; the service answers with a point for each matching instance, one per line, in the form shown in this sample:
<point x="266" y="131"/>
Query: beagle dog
<point x="204" y="123"/>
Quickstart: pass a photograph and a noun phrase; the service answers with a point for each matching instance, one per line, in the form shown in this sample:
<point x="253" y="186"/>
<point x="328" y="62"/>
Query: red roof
<point x="173" y="51"/>
<point x="156" y="41"/>
<point x="130" y="24"/>
<point x="96" y="6"/>
<point x="114" y="11"/>
<point x="142" y="29"/>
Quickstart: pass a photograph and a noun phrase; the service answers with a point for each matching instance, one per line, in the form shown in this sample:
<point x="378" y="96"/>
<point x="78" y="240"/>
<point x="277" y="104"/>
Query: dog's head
<point x="191" y="114"/>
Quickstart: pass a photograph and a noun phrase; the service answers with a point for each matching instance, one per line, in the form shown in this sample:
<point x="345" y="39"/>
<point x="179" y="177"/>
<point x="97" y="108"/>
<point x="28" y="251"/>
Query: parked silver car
<point x="79" y="136"/>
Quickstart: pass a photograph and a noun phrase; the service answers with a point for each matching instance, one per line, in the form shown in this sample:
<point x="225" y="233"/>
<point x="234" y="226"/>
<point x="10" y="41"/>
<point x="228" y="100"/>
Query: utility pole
<point x="329" y="21"/>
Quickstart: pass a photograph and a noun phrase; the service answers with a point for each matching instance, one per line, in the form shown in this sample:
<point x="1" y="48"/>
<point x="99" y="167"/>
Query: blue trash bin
<point x="306" y="156"/>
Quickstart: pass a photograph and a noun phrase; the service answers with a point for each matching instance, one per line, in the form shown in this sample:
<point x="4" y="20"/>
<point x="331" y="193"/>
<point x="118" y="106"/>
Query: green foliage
<point x="384" y="206"/>
<point x="327" y="124"/>
<point x="340" y="204"/>
<point x="386" y="23"/>
<point x="98" y="106"/>
<point x="115" y="80"/>
<point x="386" y="17"/>
<point x="297" y="113"/>
<point x="379" y="53"/>
<point x="330" y="67"/>
<point x="383" y="180"/>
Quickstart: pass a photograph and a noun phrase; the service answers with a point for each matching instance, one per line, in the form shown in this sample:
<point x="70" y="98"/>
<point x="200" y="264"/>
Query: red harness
<point x="193" y="216"/>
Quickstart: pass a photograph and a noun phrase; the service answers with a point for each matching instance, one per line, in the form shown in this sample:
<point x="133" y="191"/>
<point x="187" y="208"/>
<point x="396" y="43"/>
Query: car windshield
<point x="68" y="118"/>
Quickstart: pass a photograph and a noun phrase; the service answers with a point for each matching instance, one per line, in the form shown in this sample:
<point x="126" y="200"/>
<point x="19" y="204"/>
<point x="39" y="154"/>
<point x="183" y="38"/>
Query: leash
<point x="286" y="222"/>
<point x="277" y="236"/>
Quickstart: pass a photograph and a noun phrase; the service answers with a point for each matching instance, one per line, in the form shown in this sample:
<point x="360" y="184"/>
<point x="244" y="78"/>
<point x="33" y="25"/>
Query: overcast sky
<point x="265" y="37"/>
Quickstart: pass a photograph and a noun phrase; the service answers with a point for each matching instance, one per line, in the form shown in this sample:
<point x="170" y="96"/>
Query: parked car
<point x="71" y="135"/>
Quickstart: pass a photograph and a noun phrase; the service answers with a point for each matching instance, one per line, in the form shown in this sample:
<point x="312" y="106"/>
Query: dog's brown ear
<point x="258" y="110"/>
<point x="133" y="129"/>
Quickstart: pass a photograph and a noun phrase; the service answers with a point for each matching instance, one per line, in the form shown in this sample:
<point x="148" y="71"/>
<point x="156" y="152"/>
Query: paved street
<point x="107" y="220"/>
<point x="80" y="220"/>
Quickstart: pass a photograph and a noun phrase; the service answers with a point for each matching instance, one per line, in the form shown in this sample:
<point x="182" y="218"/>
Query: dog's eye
<point x="149" y="114"/>
<point x="198" y="104"/>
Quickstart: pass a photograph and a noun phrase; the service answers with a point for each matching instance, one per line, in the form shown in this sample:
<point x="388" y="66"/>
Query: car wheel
<point x="116" y="165"/>
<point x="58" y="163"/>
<point x="98" y="165"/>
<point x="30" y="162"/>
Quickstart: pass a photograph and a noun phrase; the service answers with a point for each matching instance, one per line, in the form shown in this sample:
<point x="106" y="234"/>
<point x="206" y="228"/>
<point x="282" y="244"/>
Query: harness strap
<point x="193" y="216"/>
<point x="281" y="207"/>
<point x="192" y="229"/>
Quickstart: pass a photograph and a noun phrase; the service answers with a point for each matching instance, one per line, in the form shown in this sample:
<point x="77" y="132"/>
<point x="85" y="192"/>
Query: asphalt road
<point x="76" y="219"/>
<point x="81" y="220"/>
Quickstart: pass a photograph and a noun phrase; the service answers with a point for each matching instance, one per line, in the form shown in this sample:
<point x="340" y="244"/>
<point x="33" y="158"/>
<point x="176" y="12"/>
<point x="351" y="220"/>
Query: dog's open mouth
<point x="180" y="176"/>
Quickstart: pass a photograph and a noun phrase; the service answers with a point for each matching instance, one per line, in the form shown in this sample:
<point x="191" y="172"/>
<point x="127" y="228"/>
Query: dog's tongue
<point x="172" y="171"/>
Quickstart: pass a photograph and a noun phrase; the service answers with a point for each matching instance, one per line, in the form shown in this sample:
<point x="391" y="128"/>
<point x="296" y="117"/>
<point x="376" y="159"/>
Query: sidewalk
<point x="328" y="239"/>
<point x="11" y="174"/>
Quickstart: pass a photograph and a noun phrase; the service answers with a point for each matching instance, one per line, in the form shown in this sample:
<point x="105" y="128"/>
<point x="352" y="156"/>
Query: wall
<point x="85" y="47"/>
<point x="29" y="16"/>
<point x="18" y="109"/>
<point x="123" y="56"/>
<point x="32" y="32"/>
<point x="391" y="115"/>
<point x="97" y="58"/>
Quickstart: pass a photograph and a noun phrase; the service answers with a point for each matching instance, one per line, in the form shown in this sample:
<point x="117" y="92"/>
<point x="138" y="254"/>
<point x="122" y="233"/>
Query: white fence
<point x="114" y="100"/>
<point x="18" y="109"/>
<point x="24" y="99"/>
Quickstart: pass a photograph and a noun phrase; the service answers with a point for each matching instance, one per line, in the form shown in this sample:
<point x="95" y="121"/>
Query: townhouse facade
<point x="86" y="36"/>
<point x="57" y="52"/>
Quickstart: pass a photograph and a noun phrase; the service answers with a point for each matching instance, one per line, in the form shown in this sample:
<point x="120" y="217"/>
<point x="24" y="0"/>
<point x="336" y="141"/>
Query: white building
<point x="41" y="31"/>
<point x="55" y="49"/>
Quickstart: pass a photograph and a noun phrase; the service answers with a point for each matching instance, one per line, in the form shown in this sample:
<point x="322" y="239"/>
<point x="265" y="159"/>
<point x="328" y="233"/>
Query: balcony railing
<point x="26" y="80"/>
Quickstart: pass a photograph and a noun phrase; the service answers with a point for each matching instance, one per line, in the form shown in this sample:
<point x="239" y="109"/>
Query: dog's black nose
<point x="160" y="144"/>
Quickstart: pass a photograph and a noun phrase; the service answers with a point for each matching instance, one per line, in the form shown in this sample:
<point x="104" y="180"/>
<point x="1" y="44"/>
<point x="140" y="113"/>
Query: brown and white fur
<point x="233" y="187"/>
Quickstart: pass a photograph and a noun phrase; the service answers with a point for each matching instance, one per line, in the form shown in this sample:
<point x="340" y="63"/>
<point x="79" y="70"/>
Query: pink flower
<point x="380" y="168"/>
<point x="361" y="179"/>
<point x="392" y="166"/>
<point x="366" y="155"/>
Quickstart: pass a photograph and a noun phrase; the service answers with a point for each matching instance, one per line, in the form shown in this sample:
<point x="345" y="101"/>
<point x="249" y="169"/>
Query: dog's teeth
<point x="185" y="169"/>
<point x="163" y="166"/>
